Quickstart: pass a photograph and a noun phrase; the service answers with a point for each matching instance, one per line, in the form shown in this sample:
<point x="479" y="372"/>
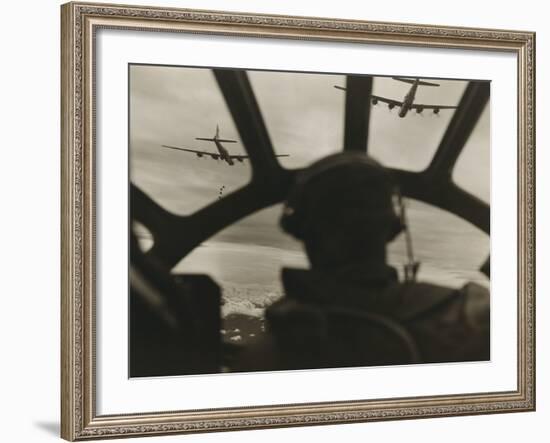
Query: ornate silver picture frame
<point x="81" y="417"/>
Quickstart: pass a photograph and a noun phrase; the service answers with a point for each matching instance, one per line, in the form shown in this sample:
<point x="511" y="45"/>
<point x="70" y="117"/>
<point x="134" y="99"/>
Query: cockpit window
<point x="303" y="114"/>
<point x="449" y="249"/>
<point x="410" y="142"/>
<point x="254" y="245"/>
<point x="471" y="171"/>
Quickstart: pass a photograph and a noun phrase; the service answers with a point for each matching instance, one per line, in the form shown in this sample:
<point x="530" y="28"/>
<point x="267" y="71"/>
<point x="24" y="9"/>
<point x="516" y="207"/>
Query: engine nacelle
<point x="436" y="111"/>
<point x="199" y="154"/>
<point x="215" y="157"/>
<point x="240" y="160"/>
<point x="419" y="110"/>
<point x="391" y="106"/>
<point x="374" y="101"/>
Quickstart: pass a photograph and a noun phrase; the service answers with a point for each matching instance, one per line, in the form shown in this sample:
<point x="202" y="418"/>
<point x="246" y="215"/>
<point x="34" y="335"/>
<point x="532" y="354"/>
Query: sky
<point x="304" y="115"/>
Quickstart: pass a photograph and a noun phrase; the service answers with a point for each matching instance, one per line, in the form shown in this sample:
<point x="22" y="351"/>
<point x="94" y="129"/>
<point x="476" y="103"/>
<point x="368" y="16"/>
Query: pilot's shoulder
<point x="420" y="290"/>
<point x="418" y="298"/>
<point x="477" y="304"/>
<point x="471" y="299"/>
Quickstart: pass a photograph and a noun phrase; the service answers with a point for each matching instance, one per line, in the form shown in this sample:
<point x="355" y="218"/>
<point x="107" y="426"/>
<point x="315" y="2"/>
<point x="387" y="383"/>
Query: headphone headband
<point x="290" y="218"/>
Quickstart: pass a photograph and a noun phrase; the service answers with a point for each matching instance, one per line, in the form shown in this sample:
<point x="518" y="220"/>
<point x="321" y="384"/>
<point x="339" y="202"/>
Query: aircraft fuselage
<point x="408" y="100"/>
<point x="224" y="155"/>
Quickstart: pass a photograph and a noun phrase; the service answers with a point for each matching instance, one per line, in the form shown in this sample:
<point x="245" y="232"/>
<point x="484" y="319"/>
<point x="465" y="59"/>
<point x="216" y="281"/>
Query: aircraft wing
<point x="194" y="151"/>
<point x="238" y="157"/>
<point x="389" y="101"/>
<point x="244" y="157"/>
<point x="421" y="106"/>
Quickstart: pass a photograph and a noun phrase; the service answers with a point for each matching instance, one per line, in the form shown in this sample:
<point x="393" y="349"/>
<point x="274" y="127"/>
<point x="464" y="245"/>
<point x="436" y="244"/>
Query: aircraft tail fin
<point x="412" y="81"/>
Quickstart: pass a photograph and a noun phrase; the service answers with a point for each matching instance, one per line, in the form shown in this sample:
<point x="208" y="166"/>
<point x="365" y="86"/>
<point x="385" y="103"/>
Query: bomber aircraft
<point x="222" y="153"/>
<point x="408" y="101"/>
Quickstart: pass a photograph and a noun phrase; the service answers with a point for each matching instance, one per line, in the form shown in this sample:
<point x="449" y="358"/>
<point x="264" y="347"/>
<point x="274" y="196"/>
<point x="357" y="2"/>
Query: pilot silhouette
<point x="350" y="309"/>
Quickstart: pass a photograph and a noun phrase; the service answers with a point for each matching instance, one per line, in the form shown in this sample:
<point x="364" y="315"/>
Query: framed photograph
<point x="282" y="221"/>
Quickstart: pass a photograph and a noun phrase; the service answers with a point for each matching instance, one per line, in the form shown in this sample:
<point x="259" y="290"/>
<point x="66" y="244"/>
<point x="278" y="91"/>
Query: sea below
<point x="450" y="250"/>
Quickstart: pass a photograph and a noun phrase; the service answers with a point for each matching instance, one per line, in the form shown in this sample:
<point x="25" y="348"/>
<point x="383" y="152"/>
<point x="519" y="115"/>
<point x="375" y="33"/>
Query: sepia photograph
<point x="279" y="220"/>
<point x="298" y="220"/>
